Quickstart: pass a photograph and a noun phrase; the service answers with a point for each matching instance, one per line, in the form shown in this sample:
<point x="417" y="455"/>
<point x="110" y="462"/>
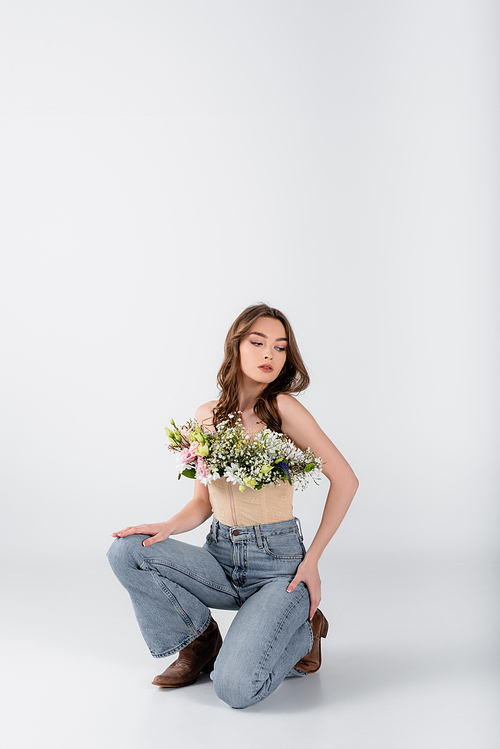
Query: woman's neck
<point x="248" y="396"/>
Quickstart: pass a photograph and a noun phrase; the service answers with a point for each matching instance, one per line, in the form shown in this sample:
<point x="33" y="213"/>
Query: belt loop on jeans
<point x="215" y="530"/>
<point x="300" y="529"/>
<point x="258" y="536"/>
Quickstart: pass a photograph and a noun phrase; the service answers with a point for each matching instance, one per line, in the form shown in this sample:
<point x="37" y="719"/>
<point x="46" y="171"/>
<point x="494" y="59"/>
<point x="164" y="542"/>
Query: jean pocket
<point x="284" y="546"/>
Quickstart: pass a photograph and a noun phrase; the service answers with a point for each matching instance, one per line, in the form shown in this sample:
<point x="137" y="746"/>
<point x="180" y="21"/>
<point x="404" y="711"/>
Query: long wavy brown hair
<point x="293" y="378"/>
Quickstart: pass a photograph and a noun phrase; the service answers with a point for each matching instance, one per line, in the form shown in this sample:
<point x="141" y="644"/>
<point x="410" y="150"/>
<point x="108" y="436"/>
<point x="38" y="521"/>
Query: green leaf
<point x="309" y="467"/>
<point x="189" y="473"/>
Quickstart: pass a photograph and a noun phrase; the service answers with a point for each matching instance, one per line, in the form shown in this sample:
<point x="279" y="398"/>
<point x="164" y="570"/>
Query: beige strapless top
<point x="271" y="504"/>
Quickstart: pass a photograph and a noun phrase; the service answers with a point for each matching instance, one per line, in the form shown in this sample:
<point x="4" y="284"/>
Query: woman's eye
<point x="280" y="349"/>
<point x="256" y="343"/>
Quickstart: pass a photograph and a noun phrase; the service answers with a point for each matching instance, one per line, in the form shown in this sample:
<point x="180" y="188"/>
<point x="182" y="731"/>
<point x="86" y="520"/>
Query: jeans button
<point x="236" y="533"/>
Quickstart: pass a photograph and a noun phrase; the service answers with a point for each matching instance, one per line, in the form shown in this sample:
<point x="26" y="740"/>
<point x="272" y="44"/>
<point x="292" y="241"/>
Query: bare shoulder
<point x="204" y="413"/>
<point x="289" y="407"/>
<point x="295" y="417"/>
<point x="303" y="429"/>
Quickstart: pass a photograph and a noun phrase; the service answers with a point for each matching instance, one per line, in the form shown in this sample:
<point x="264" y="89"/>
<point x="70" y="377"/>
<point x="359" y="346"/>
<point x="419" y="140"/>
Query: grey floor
<point x="411" y="660"/>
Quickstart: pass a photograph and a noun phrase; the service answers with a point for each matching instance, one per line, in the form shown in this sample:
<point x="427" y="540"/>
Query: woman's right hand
<point x="157" y="531"/>
<point x="191" y="516"/>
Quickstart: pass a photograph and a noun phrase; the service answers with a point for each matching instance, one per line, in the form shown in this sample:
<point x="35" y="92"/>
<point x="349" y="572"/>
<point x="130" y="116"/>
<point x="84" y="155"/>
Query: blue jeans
<point x="173" y="585"/>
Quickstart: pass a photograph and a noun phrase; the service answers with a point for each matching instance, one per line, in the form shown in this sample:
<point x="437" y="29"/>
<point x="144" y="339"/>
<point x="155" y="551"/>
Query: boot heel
<point x="324" y="627"/>
<point x="209" y="667"/>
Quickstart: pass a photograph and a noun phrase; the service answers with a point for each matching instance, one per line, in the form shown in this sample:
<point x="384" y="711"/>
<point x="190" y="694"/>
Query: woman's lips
<point x="266" y="368"/>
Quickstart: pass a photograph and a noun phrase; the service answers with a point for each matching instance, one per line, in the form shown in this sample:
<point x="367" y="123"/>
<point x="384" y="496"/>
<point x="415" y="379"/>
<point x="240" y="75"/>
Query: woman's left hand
<point x="308" y="573"/>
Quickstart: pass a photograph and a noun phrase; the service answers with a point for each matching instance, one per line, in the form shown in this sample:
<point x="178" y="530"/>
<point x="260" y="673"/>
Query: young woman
<point x="254" y="560"/>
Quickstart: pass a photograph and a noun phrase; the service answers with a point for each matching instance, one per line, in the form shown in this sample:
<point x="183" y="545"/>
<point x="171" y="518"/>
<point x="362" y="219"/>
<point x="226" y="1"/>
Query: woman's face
<point x="263" y="351"/>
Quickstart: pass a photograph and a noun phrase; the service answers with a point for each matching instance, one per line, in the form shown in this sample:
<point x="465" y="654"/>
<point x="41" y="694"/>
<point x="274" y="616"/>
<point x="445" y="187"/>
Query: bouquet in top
<point x="232" y="452"/>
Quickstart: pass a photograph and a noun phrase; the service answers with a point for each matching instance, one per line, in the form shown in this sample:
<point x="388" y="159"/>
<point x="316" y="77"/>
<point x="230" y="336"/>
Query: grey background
<point x="165" y="164"/>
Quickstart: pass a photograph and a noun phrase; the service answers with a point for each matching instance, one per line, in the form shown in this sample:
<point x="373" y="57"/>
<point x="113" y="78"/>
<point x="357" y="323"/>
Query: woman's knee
<point x="233" y="687"/>
<point x="124" y="553"/>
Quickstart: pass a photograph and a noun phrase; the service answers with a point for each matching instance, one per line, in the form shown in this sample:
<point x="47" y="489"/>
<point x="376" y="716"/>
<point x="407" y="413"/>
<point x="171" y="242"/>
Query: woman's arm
<point x="301" y="427"/>
<point x="191" y="516"/>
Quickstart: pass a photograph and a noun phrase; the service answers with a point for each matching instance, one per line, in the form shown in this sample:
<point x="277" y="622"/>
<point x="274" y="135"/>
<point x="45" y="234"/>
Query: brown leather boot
<point x="198" y="656"/>
<point x="311" y="662"/>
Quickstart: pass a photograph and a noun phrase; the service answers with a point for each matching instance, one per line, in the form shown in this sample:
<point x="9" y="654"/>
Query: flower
<point x="202" y="470"/>
<point x="283" y="464"/>
<point x="247" y="460"/>
<point x="188" y="454"/>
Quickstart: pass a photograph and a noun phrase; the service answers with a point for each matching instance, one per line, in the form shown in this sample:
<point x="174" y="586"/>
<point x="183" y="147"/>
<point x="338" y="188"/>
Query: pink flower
<point x="188" y="454"/>
<point x="202" y="469"/>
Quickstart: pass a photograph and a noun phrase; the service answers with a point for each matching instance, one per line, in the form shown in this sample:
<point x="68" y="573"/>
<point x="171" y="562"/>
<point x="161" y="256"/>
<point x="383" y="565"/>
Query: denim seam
<point x="265" y="534"/>
<point x="165" y="589"/>
<point x="258" y="681"/>
<point x="183" y="644"/>
<point x="240" y="563"/>
<point x="161" y="563"/>
<point x="275" y="556"/>
<point x="287" y="532"/>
